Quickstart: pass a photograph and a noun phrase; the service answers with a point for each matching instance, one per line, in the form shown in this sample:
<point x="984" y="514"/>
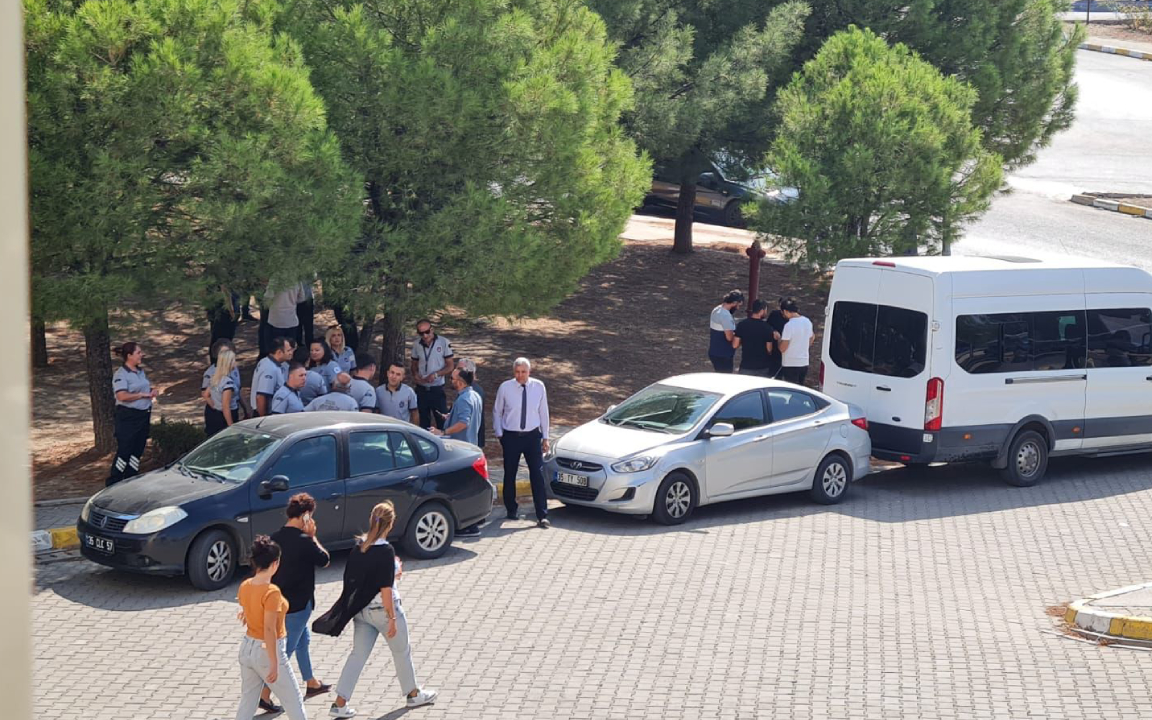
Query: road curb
<point x="1081" y="614"/>
<point x="1112" y="205"/>
<point x="62" y="538"/>
<point x="1111" y="50"/>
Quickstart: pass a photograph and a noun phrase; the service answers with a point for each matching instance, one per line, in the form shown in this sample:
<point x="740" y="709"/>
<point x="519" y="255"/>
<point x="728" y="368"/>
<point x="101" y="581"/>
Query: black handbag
<point x="332" y="622"/>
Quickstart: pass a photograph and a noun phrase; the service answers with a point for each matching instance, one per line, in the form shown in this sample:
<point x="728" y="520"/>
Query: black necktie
<point x="523" y="405"/>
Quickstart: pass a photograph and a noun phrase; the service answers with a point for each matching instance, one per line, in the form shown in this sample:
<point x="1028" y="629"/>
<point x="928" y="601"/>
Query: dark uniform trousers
<point x="429" y="399"/>
<point x="131" y="429"/>
<point x="526" y="444"/>
<point x="305" y="314"/>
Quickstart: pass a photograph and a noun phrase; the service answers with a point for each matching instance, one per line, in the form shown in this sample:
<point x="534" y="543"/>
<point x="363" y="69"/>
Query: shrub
<point x="173" y="438"/>
<point x="1137" y="17"/>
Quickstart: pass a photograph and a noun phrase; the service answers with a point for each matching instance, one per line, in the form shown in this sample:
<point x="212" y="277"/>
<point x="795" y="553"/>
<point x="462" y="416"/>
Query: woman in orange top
<point x="263" y="659"/>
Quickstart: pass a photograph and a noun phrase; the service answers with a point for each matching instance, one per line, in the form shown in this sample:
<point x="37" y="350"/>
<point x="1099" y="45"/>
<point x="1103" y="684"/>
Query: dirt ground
<point x="633" y="321"/>
<point x="1114" y="31"/>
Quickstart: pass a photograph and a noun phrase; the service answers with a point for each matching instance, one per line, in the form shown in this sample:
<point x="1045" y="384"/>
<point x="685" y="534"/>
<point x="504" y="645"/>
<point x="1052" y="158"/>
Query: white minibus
<point x="1006" y="359"/>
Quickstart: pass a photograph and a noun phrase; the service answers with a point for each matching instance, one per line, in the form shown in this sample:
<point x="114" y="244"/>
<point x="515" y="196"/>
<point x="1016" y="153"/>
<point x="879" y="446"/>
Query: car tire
<point x="675" y="500"/>
<point x="430" y="531"/>
<point x="830" y="484"/>
<point x="1027" y="459"/>
<point x="732" y="216"/>
<point x="212" y="560"/>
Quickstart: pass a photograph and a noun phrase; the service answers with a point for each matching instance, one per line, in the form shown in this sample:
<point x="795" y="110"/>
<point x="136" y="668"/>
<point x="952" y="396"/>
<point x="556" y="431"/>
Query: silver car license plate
<point x="570" y="479"/>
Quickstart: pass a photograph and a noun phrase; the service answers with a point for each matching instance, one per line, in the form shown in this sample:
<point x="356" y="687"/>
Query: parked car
<point x="199" y="515"/>
<point x="1010" y="360"/>
<point x="718" y="198"/>
<point x="697" y="439"/>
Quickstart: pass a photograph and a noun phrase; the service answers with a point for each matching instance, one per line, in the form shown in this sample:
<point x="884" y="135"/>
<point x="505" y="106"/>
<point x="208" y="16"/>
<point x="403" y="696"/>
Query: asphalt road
<point x="1106" y="150"/>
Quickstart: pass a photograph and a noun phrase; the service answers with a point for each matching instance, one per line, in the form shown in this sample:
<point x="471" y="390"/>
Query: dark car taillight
<point x="481" y="466"/>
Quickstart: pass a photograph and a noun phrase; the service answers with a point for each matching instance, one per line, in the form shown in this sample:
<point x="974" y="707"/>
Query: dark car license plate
<point x="99" y="544"/>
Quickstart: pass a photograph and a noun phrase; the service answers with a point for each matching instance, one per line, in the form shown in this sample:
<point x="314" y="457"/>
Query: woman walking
<point x="220" y="412"/>
<point x="341" y="353"/>
<point x="263" y="659"/>
<point x="301" y="554"/>
<point x="320" y="359"/>
<point x="134" y="396"/>
<point x="371" y="601"/>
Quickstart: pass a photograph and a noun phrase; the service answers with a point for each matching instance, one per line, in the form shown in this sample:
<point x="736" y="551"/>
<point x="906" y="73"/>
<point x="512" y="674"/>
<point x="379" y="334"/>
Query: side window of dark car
<point x="378" y="452"/>
<point x="788" y="404"/>
<point x="742" y="412"/>
<point x="428" y="449"/>
<point x="308" y="462"/>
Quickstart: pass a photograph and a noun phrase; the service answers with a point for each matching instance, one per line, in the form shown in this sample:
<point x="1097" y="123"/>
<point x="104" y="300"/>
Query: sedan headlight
<point x="87" y="509"/>
<point x="635" y="464"/>
<point x="155" y="521"/>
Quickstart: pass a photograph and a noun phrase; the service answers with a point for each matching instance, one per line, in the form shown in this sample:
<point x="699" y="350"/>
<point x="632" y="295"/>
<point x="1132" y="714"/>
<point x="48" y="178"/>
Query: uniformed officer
<point x="394" y="398"/>
<point x="431" y="362"/>
<point x="314" y="384"/>
<point x="287" y="398"/>
<point x="213" y="354"/>
<point x="337" y="399"/>
<point x="320" y="359"/>
<point x="134" y="396"/>
<point x="345" y="356"/>
<point x="362" y="391"/>
<point x="222" y="391"/>
<point x="269" y="376"/>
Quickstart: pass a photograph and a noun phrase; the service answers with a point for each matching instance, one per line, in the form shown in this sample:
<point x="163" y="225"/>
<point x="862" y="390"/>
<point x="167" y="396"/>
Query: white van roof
<point x="1098" y="276"/>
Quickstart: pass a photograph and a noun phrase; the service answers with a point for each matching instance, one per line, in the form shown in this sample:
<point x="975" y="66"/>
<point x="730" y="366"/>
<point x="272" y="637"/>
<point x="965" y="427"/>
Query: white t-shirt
<point x="798" y="333"/>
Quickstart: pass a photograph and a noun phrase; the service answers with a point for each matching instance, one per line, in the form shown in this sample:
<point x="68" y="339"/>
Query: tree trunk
<point x="98" y="363"/>
<point x="39" y="345"/>
<point x="367" y="332"/>
<point x="685" y="207"/>
<point x="392" y="344"/>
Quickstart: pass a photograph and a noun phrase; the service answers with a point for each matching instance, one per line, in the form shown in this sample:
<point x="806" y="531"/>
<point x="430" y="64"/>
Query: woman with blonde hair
<point x="341" y="353"/>
<point x="371" y="601"/>
<point x="222" y="392"/>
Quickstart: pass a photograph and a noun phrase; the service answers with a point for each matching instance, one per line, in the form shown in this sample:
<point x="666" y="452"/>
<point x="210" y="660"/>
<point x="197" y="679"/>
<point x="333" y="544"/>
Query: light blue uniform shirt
<point x="363" y="393"/>
<point x="346" y="360"/>
<point x="216" y="394"/>
<point x="266" y="380"/>
<point x="333" y="401"/>
<point x="397" y="404"/>
<point x="467" y="409"/>
<point x="133" y="381"/>
<point x="286" y="400"/>
<point x="329" y="371"/>
<point x="314" y="387"/>
<point x="234" y="376"/>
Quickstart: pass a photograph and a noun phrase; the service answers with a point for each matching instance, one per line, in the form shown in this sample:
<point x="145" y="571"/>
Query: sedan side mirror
<point x="276" y="483"/>
<point x="720" y="430"/>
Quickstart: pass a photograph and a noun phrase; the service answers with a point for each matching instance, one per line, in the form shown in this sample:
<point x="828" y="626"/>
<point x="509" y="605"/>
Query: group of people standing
<point x="277" y="602"/>
<point x="774" y="344"/>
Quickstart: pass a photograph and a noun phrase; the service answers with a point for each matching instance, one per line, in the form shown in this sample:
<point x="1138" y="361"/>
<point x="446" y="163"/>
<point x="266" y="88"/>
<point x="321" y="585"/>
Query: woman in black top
<point x="371" y="601"/>
<point x="301" y="554"/>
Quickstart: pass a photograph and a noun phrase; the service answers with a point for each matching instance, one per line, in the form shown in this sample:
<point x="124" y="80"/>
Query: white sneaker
<point x="422" y="697"/>
<point x="341" y="712"/>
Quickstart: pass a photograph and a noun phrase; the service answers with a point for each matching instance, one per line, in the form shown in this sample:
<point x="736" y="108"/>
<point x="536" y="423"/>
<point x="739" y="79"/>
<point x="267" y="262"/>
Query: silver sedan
<point x="697" y="439"/>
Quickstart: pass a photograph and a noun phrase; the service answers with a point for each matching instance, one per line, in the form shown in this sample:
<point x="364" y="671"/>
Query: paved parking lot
<point x="924" y="595"/>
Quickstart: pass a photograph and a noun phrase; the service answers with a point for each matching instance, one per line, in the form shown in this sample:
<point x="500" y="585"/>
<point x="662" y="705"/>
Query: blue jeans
<point x="299" y="638"/>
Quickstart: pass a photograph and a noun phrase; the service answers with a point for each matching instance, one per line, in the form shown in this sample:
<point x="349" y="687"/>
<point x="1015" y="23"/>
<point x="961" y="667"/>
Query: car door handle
<point x="761" y="438"/>
<point x="410" y="478"/>
<point x="1057" y="379"/>
<point x="885" y="389"/>
<point x="333" y="496"/>
<point x="1149" y="378"/>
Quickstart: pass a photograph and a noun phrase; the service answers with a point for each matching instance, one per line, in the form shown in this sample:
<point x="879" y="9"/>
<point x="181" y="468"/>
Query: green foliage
<point x="704" y="74"/>
<point x="487" y="132"/>
<point x="883" y="150"/>
<point x="173" y="438"/>
<point x="1136" y="17"/>
<point x="1013" y="53"/>
<point x="173" y="147"/>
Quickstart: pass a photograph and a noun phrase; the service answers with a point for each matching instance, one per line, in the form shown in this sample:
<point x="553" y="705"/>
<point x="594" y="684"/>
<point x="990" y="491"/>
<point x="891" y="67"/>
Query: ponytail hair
<point x="380" y="522"/>
<point x="125" y="350"/>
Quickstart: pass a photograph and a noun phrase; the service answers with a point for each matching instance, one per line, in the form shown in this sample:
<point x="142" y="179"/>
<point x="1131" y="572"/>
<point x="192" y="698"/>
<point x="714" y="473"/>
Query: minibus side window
<point x="1120" y="337"/>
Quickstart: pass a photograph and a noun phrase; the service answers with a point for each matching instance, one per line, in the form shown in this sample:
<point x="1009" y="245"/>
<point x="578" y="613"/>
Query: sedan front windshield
<point x="662" y="408"/>
<point x="231" y="456"/>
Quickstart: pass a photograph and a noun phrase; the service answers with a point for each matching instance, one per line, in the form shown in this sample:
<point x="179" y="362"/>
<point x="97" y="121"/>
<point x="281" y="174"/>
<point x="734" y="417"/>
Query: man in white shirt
<point x="520" y="421"/>
<point x="282" y="318"/>
<point x="794" y="344"/>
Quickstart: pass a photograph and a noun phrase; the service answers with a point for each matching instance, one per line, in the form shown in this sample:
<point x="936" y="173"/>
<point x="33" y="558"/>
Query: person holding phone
<point x="301" y="554"/>
<point x="263" y="660"/>
<point x="134" y="396"/>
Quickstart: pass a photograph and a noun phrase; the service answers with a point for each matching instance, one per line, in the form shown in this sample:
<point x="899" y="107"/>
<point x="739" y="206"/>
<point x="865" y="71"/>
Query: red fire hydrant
<point x="755" y="254"/>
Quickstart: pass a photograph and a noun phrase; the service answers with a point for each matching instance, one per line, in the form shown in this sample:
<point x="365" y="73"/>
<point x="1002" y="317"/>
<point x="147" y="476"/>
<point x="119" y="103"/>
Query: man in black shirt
<point x="300" y="554"/>
<point x="777" y="321"/>
<point x="754" y="335"/>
